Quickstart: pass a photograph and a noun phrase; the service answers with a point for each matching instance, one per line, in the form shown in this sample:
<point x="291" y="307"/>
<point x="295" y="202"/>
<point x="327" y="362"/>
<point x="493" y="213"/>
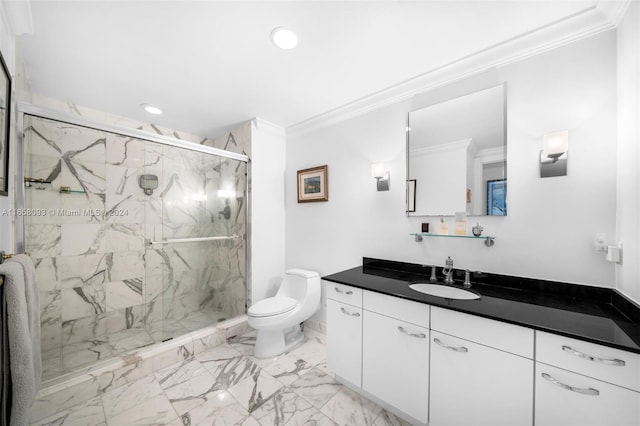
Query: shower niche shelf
<point x="488" y="240"/>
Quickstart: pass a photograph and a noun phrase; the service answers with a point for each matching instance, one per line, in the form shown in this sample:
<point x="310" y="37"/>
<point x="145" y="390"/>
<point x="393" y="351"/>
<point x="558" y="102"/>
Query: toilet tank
<point x="297" y="282"/>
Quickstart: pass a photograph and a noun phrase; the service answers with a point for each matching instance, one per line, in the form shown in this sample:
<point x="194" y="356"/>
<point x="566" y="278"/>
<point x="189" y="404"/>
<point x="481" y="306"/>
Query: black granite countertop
<point x="595" y="314"/>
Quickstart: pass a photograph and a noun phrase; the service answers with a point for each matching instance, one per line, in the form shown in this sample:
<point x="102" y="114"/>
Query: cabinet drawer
<point x="506" y="337"/>
<point x="566" y="398"/>
<point x="601" y="362"/>
<point x="344" y="293"/>
<point x="394" y="307"/>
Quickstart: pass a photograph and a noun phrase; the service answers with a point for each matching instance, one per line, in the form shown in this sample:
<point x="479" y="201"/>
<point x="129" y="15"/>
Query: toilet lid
<point x="272" y="306"/>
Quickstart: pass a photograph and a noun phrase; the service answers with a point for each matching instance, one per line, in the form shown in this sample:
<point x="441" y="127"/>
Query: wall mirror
<point x="457" y="156"/>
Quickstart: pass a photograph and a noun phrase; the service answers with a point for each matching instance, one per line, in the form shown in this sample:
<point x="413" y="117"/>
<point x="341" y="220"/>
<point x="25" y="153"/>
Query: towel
<point x="23" y="327"/>
<point x="5" y="370"/>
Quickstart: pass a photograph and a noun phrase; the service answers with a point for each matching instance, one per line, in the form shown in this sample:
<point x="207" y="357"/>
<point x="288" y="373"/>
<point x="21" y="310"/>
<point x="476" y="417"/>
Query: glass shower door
<point x="199" y="241"/>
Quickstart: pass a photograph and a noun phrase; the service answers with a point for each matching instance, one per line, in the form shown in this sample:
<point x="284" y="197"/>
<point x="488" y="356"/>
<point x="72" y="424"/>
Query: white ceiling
<point x="210" y="64"/>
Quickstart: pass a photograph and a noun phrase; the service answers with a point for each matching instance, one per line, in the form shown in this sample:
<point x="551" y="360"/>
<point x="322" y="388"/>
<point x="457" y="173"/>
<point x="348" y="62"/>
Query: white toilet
<point x="277" y="319"/>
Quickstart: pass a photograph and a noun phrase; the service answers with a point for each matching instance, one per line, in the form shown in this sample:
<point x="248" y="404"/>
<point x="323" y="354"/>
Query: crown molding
<point x="613" y="10"/>
<point x="601" y="17"/>
<point x="445" y="147"/>
<point x="268" y="127"/>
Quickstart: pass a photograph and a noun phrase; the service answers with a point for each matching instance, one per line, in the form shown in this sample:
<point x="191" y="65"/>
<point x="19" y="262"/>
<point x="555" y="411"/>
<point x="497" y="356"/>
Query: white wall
<point x="552" y="222"/>
<point x="268" y="157"/>
<point x="628" y="231"/>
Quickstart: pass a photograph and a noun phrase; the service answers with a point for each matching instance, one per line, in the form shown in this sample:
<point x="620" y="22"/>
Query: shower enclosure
<point x="136" y="238"/>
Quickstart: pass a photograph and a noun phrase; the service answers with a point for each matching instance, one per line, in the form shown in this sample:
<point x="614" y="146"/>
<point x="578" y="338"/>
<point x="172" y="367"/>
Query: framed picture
<point x="313" y="185"/>
<point x="497" y="197"/>
<point x="5" y="117"/>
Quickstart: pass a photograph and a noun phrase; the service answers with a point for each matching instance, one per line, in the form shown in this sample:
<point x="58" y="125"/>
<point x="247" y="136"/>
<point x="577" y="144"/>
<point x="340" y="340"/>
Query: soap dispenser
<point x="443" y="227"/>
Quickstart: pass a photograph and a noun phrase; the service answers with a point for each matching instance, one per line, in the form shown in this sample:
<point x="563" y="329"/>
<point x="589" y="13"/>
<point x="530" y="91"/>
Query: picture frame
<point x="313" y="184"/>
<point x="497" y="197"/>
<point x="5" y="121"/>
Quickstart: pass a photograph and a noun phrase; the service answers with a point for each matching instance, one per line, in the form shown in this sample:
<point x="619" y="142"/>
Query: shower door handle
<point x="195" y="240"/>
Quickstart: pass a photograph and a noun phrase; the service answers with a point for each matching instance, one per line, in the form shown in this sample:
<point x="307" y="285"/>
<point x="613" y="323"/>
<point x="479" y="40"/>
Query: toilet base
<point x="273" y="343"/>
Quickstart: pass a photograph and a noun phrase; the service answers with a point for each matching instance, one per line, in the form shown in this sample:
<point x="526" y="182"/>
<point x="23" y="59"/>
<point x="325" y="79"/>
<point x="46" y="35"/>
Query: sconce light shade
<point x="381" y="175"/>
<point x="554" y="154"/>
<point x="377" y="170"/>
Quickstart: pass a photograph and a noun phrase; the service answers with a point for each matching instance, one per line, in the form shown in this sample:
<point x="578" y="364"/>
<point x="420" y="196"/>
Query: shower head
<point x="148" y="183"/>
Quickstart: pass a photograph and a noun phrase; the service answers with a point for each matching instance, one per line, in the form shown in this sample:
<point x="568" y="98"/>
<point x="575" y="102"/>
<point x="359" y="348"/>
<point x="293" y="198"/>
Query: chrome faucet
<point x="467" y="279"/>
<point x="448" y="270"/>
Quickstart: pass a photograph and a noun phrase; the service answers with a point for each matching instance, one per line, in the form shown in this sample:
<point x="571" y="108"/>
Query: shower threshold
<point x="80" y="356"/>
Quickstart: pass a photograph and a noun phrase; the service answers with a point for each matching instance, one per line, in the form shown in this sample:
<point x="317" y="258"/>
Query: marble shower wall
<point x="96" y="272"/>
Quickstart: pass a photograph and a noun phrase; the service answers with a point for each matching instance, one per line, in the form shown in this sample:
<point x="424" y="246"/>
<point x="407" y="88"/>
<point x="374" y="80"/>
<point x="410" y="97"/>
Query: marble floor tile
<point x="79" y="354"/>
<point x="350" y="408"/>
<point x="196" y="320"/>
<point x="89" y="413"/>
<point x="48" y="403"/>
<point x="153" y="411"/>
<point x="325" y="369"/>
<point x="253" y="391"/>
<point x="288" y="368"/>
<point x="312" y="349"/>
<point x="244" y="343"/>
<point x="132" y="338"/>
<point x="187" y="385"/>
<point x="316" y="387"/>
<point x="130" y="396"/>
<point x="285" y="407"/>
<point x="219" y="386"/>
<point x="387" y="418"/>
<point x="319" y="419"/>
<point x="228" y="366"/>
<point x="221" y="409"/>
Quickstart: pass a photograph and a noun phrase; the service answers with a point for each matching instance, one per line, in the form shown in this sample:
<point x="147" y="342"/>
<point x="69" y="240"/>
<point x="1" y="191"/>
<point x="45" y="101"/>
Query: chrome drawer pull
<point x="348" y="292"/>
<point x="588" y="391"/>
<point x="353" y="314"/>
<point x="616" y="362"/>
<point x="452" y="348"/>
<point x="418" y="335"/>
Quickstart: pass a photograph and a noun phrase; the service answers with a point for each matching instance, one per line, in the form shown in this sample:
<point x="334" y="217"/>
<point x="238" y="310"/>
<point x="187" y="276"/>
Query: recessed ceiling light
<point x="284" y="38"/>
<point x="151" y="109"/>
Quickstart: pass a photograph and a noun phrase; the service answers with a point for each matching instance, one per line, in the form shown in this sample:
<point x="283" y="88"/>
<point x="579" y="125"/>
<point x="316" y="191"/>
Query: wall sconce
<point x="381" y="175"/>
<point x="554" y="154"/>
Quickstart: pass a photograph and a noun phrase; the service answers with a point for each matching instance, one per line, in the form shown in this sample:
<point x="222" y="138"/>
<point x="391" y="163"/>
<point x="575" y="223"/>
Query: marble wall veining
<point x="104" y="289"/>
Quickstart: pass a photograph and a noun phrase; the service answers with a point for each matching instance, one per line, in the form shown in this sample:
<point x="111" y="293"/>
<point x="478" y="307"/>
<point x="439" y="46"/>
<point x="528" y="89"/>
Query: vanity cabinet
<point x="395" y="341"/>
<point x="344" y="335"/>
<point x="583" y="383"/>
<point x="481" y="371"/>
<point x="438" y="366"/>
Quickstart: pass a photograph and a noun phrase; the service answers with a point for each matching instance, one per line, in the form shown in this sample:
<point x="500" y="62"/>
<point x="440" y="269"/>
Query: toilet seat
<point x="272" y="306"/>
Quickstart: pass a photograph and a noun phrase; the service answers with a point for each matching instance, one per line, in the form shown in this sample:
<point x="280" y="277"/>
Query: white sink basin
<point x="445" y="291"/>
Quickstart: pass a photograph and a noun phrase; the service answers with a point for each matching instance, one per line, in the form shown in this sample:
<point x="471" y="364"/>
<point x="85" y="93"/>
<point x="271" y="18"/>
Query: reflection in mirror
<point x="457" y="155"/>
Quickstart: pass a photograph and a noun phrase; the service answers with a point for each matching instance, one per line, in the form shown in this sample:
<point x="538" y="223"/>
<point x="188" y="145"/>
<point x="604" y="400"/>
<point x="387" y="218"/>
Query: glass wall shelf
<point x="488" y="240"/>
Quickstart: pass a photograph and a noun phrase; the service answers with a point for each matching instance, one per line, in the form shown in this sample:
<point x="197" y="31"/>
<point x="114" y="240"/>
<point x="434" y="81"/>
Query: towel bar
<point x="5" y="256"/>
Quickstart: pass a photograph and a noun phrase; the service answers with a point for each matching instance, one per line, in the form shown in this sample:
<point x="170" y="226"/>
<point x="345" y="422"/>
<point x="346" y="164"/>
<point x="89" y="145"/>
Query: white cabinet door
<point x="473" y="384"/>
<point x="344" y="341"/>
<point x="566" y="398"/>
<point x="395" y="367"/>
